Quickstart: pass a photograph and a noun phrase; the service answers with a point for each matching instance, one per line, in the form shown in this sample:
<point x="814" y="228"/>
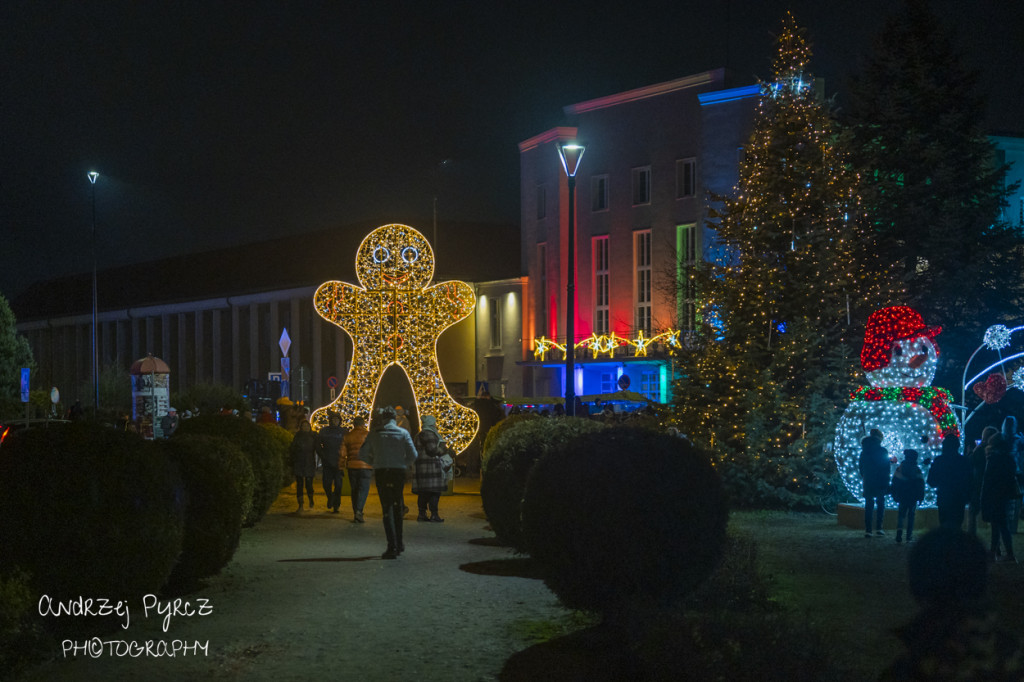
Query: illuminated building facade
<point x="652" y="155"/>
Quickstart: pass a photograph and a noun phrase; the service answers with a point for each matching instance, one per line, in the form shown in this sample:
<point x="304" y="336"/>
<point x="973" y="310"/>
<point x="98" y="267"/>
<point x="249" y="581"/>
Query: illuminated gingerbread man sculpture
<point x="395" y="318"/>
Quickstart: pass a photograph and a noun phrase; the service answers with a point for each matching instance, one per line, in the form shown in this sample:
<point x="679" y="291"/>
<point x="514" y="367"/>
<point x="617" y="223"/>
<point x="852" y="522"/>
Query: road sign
<point x="25" y="371"/>
<point x="332" y="382"/>
<point x="285" y="342"/>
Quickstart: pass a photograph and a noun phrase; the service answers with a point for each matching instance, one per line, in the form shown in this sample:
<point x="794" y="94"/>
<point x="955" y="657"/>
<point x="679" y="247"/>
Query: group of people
<point x="987" y="481"/>
<point x="385" y="453"/>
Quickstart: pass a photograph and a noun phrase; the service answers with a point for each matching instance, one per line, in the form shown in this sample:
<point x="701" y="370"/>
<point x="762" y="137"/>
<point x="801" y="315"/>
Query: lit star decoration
<point x="997" y="337"/>
<point x="899" y="358"/>
<point x="395" y="318"/>
<point x="608" y="343"/>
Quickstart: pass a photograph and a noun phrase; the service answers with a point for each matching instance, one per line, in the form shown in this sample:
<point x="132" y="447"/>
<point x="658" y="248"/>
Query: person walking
<point x="359" y="472"/>
<point x="977" y="461"/>
<point x="907" y="490"/>
<point x="998" y="487"/>
<point x="303" y="452"/>
<point x="950" y="475"/>
<point x="332" y="438"/>
<point x="402" y="419"/>
<point x="390" y="451"/>
<point x="432" y="467"/>
<point x="1016" y="442"/>
<point x="874" y="471"/>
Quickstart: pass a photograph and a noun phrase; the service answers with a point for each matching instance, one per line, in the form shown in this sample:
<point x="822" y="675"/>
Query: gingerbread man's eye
<point x="381" y="254"/>
<point x="897" y="351"/>
<point x="410" y="254"/>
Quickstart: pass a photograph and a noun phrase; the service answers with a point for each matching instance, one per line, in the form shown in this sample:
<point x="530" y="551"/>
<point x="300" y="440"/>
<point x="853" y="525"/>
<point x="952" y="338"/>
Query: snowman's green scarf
<point x="935" y="400"/>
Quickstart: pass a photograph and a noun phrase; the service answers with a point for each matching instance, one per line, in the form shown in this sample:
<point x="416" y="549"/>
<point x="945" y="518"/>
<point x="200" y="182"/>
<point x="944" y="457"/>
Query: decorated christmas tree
<point x="782" y="303"/>
<point x="931" y="182"/>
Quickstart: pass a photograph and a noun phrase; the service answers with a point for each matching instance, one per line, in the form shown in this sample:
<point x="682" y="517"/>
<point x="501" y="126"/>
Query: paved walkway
<point x="307" y="595"/>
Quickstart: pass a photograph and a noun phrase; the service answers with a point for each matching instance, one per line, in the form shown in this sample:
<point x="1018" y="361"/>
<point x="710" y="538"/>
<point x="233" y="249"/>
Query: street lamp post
<point x="93" y="175"/>
<point x="571" y="153"/>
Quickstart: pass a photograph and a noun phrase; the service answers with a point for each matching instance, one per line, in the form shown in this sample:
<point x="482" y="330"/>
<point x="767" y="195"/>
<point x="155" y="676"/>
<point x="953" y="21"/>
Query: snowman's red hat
<point x="887" y="326"/>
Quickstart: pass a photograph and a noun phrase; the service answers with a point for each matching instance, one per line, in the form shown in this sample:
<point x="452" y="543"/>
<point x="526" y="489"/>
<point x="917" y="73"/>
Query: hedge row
<point x="86" y="510"/>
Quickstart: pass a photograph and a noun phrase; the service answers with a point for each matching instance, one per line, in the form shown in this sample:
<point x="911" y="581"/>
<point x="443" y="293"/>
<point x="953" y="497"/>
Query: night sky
<point x="221" y="123"/>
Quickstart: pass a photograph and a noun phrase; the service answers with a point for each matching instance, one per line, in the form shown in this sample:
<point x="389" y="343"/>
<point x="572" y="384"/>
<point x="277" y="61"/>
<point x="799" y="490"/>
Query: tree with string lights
<point x="785" y="297"/>
<point x="931" y="182"/>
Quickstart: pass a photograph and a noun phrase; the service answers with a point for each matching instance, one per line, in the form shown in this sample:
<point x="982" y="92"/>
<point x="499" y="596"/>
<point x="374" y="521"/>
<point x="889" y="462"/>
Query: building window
<point x="650" y="384"/>
<point x="641" y="186"/>
<point x="542" y="286"/>
<point x="495" y="317"/>
<point x="607" y="382"/>
<point x="542" y="201"/>
<point x="600" y="260"/>
<point x="642" y="280"/>
<point x="686" y="178"/>
<point x="599" y="193"/>
<point x="686" y="263"/>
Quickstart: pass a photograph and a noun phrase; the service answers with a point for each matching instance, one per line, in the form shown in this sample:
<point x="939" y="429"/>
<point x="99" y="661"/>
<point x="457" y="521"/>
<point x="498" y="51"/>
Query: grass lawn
<point x="852" y="589"/>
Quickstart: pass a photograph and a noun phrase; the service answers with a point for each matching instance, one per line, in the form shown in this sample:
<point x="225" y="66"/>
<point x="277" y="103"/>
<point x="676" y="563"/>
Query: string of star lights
<point x="997" y="338"/>
<point x="599" y="344"/>
<point x="394" y="317"/>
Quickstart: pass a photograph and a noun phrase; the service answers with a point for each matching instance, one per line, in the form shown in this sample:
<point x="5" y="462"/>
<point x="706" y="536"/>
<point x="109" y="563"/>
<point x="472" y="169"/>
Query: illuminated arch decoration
<point x="997" y="338"/>
<point x="395" y="318"/>
<point x="899" y="359"/>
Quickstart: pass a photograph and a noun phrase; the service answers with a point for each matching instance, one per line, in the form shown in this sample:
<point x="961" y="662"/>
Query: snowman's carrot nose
<point x="917" y="360"/>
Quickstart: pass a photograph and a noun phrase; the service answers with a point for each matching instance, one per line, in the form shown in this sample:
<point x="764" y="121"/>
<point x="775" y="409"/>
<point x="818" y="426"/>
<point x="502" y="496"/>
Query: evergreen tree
<point x="932" y="187"/>
<point x="14" y="354"/>
<point x="796" y="269"/>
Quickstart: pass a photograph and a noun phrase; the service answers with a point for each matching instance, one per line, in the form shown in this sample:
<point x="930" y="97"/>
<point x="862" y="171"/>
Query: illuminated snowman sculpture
<point x="899" y="358"/>
<point x="395" y="318"/>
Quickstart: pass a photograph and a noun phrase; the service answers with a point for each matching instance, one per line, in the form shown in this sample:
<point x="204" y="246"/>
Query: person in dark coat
<point x="950" y="475"/>
<point x="977" y="460"/>
<point x="874" y="471"/>
<point x="953" y="636"/>
<point x="303" y="451"/>
<point x="907" y="490"/>
<point x="998" y="487"/>
<point x="1016" y="443"/>
<point x="332" y="438"/>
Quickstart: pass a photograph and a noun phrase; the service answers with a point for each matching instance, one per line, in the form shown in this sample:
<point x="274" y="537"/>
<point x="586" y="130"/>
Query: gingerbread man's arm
<point x="338" y="301"/>
<point x="452" y="301"/>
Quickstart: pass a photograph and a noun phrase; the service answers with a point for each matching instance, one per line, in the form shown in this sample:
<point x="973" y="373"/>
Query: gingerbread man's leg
<point x="356" y="394"/>
<point x="457" y="423"/>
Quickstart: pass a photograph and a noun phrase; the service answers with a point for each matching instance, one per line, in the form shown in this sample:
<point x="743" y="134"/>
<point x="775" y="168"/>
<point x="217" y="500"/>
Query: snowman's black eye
<point x="897" y="351"/>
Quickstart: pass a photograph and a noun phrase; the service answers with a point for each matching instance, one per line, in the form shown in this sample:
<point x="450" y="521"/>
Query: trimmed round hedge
<point x="89" y="511"/>
<point x="509" y="462"/>
<point x="624" y="518"/>
<point x="263" y="451"/>
<point x="211" y="469"/>
<point x="495" y="432"/>
<point x="283" y="438"/>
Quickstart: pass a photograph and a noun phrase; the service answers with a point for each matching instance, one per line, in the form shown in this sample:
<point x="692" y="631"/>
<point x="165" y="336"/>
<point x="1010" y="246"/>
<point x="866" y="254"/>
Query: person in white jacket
<point x="390" y="451"/>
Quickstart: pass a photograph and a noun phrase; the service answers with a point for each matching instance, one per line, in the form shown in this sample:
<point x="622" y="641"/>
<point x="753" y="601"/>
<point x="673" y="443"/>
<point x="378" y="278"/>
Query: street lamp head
<point x="92" y="176"/>
<point x="571" y="153"/>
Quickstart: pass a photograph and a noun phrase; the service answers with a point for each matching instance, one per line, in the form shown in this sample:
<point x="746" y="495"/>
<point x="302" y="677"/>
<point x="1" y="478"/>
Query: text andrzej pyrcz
<point x="152" y="606"/>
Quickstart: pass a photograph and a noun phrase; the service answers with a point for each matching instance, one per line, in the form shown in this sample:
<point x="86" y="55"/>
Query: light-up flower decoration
<point x="1018" y="379"/>
<point x="395" y="318"/>
<point x="997" y="337"/>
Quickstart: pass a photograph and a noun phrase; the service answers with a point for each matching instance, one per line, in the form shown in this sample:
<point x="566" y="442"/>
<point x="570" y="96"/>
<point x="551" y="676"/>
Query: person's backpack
<point x="431" y="443"/>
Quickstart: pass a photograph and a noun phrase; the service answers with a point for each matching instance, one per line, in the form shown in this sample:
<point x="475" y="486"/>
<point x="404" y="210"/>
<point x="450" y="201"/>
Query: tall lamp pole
<point x="93" y="175"/>
<point x="571" y="153"/>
